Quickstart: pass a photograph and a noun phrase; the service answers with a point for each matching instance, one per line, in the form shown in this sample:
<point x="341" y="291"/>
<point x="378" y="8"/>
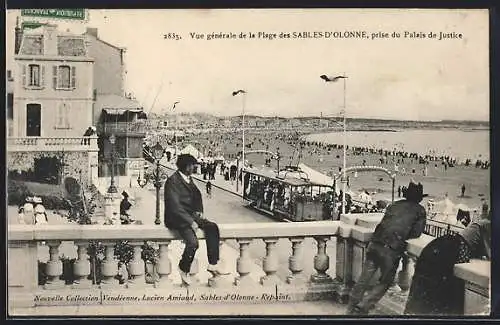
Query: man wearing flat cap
<point x="184" y="213"/>
<point x="402" y="220"/>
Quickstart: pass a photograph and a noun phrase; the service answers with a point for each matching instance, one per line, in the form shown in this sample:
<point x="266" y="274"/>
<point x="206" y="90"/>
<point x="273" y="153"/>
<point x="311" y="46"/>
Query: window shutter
<point x="42" y="76"/>
<point x="54" y="76"/>
<point x="60" y="117"/>
<point x="73" y="77"/>
<point x="66" y="115"/>
<point x="24" y="75"/>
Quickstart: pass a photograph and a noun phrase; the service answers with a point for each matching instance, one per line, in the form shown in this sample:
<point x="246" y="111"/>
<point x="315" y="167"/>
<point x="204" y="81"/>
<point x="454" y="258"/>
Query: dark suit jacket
<point x="182" y="200"/>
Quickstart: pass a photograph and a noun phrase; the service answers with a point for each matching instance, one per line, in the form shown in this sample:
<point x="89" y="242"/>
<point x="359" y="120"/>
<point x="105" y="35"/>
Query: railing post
<point x="321" y="261"/>
<point x="270" y="265"/>
<point x="136" y="267"/>
<point x="295" y="262"/>
<point x="195" y="269"/>
<point x="81" y="268"/>
<point x="404" y="275"/>
<point x="164" y="266"/>
<point x="244" y="264"/>
<point x="109" y="267"/>
<point x="343" y="269"/>
<point x="54" y="267"/>
<point x="220" y="280"/>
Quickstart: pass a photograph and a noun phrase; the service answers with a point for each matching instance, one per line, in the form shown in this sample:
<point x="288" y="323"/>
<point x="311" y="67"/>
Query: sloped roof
<point x="115" y="104"/>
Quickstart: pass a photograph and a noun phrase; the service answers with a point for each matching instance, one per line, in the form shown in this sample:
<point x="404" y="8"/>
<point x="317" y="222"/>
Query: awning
<point x="117" y="105"/>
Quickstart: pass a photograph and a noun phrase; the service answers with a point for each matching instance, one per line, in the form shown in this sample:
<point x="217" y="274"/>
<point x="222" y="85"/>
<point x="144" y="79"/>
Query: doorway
<point x="33" y="120"/>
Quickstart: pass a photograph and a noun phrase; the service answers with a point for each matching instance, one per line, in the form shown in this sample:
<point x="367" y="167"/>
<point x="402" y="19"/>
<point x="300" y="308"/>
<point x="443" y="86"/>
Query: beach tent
<point x="315" y="176"/>
<point x="446" y="211"/>
<point x="189" y="149"/>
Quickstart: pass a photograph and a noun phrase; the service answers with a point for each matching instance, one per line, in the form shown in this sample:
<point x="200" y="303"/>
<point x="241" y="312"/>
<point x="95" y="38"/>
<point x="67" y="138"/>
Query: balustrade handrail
<point x="73" y="232"/>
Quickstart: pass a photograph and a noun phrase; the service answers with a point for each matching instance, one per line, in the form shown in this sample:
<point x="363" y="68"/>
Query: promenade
<point x="225" y="206"/>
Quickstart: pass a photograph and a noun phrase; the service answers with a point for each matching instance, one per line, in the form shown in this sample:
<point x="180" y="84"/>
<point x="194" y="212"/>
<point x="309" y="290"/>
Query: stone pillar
<point x="270" y="265"/>
<point x="343" y="269"/>
<point x="22" y="265"/>
<point x="136" y="267"/>
<point x="220" y="280"/>
<point x="406" y="274"/>
<point x="112" y="206"/>
<point x="321" y="261"/>
<point x="195" y="269"/>
<point x="244" y="264"/>
<point x="164" y="266"/>
<point x="54" y="267"/>
<point x="295" y="262"/>
<point x="81" y="268"/>
<point x="109" y="267"/>
<point x="93" y="168"/>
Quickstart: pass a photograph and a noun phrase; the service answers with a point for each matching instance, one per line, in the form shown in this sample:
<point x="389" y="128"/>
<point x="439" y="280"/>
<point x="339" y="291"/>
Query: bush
<point x="17" y="193"/>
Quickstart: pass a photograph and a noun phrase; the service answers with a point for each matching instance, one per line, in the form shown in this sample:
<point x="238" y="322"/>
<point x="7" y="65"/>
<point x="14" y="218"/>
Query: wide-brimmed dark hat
<point x="125" y="194"/>
<point x="184" y="160"/>
<point x="414" y="192"/>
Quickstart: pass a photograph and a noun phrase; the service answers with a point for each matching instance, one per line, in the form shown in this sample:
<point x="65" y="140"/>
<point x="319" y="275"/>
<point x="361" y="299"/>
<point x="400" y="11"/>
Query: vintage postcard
<point x="329" y="162"/>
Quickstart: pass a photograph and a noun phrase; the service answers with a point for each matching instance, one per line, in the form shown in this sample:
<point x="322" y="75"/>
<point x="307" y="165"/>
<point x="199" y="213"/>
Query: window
<point x="9" y="75"/>
<point x="64" y="77"/>
<point x="33" y="76"/>
<point x="62" y="117"/>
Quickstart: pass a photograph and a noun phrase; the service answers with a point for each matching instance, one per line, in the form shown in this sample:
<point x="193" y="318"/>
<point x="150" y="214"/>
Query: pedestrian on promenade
<point x="184" y="213"/>
<point x="434" y="289"/>
<point x="402" y="220"/>
<point x="399" y="191"/>
<point x="463" y="190"/>
<point x="209" y="189"/>
<point x="125" y="206"/>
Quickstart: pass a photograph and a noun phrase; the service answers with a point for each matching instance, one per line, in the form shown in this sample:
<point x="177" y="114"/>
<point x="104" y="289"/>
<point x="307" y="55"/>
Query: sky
<point x="388" y="78"/>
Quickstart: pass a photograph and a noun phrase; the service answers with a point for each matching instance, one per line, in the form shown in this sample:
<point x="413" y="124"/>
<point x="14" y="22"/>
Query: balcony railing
<point x="122" y="128"/>
<point x="52" y="144"/>
<point x="251" y="282"/>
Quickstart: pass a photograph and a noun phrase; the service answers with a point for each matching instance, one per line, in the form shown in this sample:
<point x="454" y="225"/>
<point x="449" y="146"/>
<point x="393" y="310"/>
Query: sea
<point x="459" y="144"/>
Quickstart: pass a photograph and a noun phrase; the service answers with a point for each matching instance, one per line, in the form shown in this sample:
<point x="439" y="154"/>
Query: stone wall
<point x="74" y="162"/>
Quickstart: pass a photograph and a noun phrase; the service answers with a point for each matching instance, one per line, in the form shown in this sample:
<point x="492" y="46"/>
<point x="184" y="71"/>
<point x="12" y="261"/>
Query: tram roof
<point x="288" y="179"/>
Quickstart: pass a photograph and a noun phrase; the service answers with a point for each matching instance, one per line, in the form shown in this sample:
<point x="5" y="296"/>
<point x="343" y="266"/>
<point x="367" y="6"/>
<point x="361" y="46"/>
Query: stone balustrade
<point x="25" y="242"/>
<point x="52" y="144"/>
<point x="333" y="274"/>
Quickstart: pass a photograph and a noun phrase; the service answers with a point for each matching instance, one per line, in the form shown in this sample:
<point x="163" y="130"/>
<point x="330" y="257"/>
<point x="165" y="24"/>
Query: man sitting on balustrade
<point x="402" y="220"/>
<point x="184" y="213"/>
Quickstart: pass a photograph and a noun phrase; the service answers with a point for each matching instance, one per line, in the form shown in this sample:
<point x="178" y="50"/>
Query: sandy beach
<point x="438" y="183"/>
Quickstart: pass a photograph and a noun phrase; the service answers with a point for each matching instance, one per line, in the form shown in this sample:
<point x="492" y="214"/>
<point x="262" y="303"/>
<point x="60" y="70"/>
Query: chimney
<point x="18" y="37"/>
<point x="92" y="31"/>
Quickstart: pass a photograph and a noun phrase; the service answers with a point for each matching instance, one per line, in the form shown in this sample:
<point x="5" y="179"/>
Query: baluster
<point x="136" y="267"/>
<point x="295" y="262"/>
<point x="270" y="264"/>
<point x="244" y="264"/>
<point x="164" y="266"/>
<point x="321" y="262"/>
<point x="81" y="268"/>
<point x="405" y="275"/>
<point x="220" y="280"/>
<point x="195" y="268"/>
<point x="109" y="267"/>
<point x="54" y="267"/>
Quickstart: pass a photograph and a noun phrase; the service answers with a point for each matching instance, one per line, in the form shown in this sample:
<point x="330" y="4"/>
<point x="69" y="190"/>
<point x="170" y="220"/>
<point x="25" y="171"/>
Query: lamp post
<point x="278" y="157"/>
<point x="344" y="177"/>
<point x="175" y="128"/>
<point x="112" y="188"/>
<point x="243" y="102"/>
<point x="158" y="151"/>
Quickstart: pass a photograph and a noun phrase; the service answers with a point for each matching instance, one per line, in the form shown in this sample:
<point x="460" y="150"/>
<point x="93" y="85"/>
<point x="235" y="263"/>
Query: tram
<point x="288" y="195"/>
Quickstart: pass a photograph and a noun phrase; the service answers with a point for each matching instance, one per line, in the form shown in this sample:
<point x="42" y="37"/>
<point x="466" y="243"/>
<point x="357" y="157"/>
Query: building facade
<point x="115" y="113"/>
<point x="52" y="103"/>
